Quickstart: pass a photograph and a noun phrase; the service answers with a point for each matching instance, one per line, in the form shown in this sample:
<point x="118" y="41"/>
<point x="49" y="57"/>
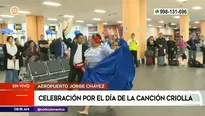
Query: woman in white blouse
<point x="94" y="55"/>
<point x="11" y="53"/>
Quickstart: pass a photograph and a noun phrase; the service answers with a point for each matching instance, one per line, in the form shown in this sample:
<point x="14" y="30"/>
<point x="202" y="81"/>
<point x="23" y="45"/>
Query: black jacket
<point x="151" y="47"/>
<point x="192" y="44"/>
<point x="171" y="45"/>
<point x="73" y="46"/>
<point x="161" y="50"/>
<point x="21" y="50"/>
<point x="9" y="56"/>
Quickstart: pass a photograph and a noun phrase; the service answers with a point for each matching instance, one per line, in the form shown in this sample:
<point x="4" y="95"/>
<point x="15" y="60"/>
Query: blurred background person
<point x="134" y="45"/>
<point x="43" y="49"/>
<point x="181" y="44"/>
<point x="171" y="45"/>
<point x="21" y="50"/>
<point x="191" y="46"/>
<point x="26" y="44"/>
<point x="86" y="40"/>
<point x="114" y="44"/>
<point x="161" y="44"/>
<point x="59" y="48"/>
<point x="151" y="45"/>
<point x="52" y="47"/>
<point x="202" y="46"/>
<point x="32" y="54"/>
<point x="107" y="40"/>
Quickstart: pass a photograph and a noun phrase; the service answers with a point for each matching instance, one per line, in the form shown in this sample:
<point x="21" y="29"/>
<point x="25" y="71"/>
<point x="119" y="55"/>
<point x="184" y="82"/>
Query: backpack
<point x="174" y="63"/>
<point x="149" y="53"/>
<point x="195" y="63"/>
<point x="52" y="49"/>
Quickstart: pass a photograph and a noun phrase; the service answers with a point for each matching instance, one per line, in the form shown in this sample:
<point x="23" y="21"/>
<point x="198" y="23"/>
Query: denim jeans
<point x="12" y="76"/>
<point x="181" y="52"/>
<point x="192" y="54"/>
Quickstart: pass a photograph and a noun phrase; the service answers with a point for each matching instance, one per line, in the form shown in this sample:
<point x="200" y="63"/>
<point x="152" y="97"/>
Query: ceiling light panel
<point x="80" y="21"/>
<point x="120" y="21"/>
<point x="89" y="24"/>
<point x="96" y="19"/>
<point x="68" y="16"/>
<point x="8" y="16"/>
<point x="104" y="23"/>
<point x="181" y="0"/>
<point x="161" y="21"/>
<point x="52" y="4"/>
<point x="24" y="12"/>
<point x="100" y="11"/>
<point x="176" y="17"/>
<point x="196" y="8"/>
<point x="52" y="19"/>
<point x="149" y="19"/>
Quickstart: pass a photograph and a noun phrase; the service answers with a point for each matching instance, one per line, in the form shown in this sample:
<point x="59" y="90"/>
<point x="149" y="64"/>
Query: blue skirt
<point x="117" y="69"/>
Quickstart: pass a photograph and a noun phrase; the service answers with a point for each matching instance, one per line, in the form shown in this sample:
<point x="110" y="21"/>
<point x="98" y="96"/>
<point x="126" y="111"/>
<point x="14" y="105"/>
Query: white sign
<point x="118" y="98"/>
<point x="170" y="11"/>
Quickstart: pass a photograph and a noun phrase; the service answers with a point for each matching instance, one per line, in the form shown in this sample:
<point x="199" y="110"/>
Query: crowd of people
<point x="108" y="60"/>
<point x="41" y="51"/>
<point x="175" y="48"/>
<point x="103" y="61"/>
<point x="45" y="50"/>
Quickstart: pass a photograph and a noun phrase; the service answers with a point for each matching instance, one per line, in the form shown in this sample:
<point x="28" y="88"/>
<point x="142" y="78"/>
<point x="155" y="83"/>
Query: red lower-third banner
<point x="16" y="98"/>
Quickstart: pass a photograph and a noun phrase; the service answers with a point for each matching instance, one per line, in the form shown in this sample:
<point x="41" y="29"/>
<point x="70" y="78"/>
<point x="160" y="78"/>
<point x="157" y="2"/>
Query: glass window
<point x="11" y="26"/>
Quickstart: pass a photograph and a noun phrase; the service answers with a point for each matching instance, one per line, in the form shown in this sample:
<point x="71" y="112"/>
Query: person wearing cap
<point x="104" y="65"/>
<point x="77" y="57"/>
<point x="133" y="45"/>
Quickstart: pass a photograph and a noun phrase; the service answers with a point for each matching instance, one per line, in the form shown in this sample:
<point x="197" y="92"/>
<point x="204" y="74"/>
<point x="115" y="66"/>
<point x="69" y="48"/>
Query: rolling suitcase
<point x="161" y="60"/>
<point x="149" y="60"/>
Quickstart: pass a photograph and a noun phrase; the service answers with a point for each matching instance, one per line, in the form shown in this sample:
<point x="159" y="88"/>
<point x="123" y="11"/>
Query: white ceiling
<point x="83" y="10"/>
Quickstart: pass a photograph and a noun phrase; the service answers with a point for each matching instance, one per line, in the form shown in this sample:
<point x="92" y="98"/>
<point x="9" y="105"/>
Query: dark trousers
<point x="153" y="57"/>
<point x="134" y="54"/>
<point x="75" y="73"/>
<point x="203" y="57"/>
<point x="170" y="55"/>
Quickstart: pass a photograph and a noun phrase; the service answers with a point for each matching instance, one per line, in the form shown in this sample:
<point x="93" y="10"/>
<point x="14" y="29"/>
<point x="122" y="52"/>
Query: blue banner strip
<point x="33" y="109"/>
<point x="16" y="109"/>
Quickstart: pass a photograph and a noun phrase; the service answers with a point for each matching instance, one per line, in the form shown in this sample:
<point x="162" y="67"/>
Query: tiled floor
<point x="148" y="78"/>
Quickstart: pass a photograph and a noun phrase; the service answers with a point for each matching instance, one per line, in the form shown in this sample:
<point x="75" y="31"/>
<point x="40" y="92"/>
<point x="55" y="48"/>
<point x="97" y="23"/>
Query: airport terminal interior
<point x="121" y="18"/>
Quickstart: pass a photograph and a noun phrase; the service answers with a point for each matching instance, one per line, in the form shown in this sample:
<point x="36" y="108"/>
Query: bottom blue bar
<point x="33" y="109"/>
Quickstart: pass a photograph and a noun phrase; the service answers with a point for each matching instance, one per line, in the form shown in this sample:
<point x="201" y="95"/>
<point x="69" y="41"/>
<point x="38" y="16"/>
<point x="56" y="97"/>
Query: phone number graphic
<point x="171" y="11"/>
